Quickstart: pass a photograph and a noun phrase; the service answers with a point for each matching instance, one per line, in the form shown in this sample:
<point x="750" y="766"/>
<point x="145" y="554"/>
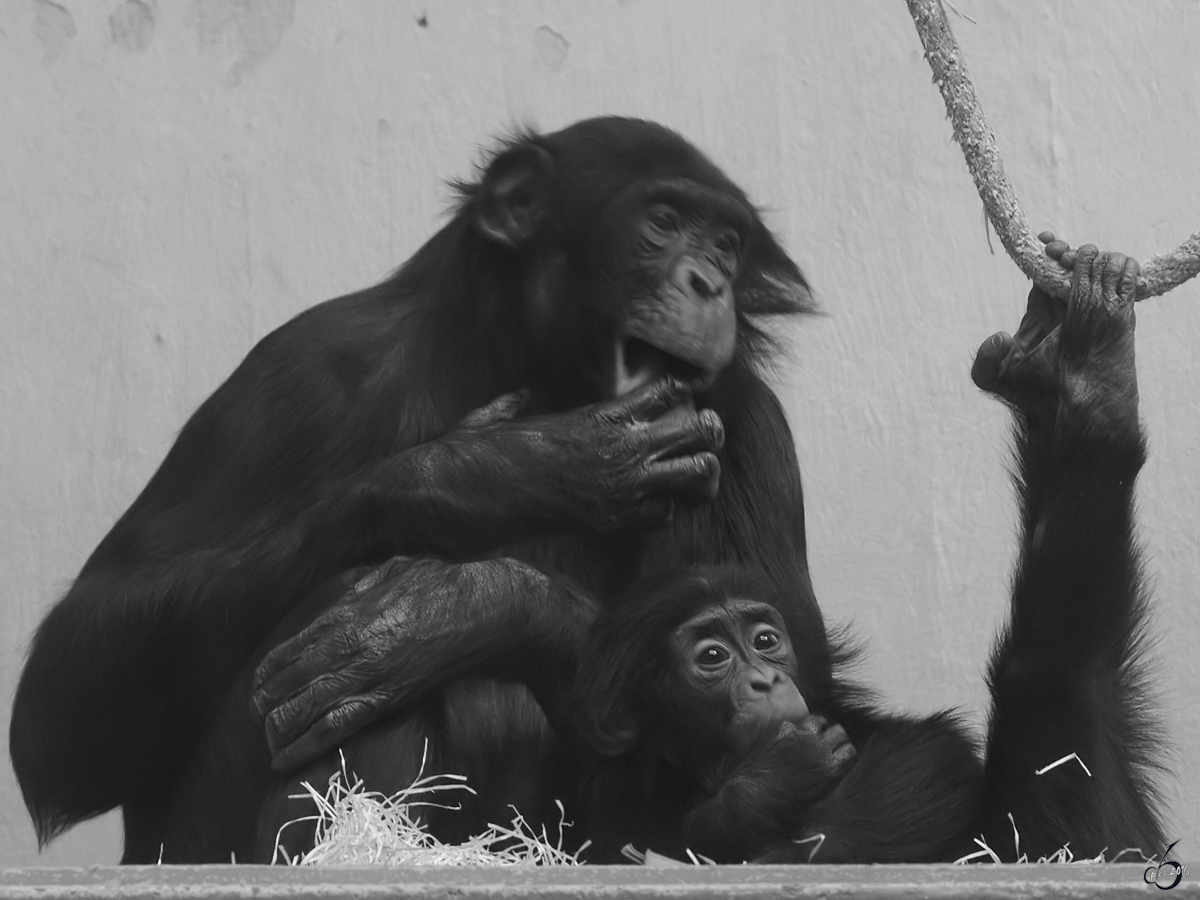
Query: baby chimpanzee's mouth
<point x="638" y="363"/>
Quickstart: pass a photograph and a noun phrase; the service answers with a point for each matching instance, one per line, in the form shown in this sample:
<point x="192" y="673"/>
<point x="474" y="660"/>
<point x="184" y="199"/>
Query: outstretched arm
<point x="1066" y="677"/>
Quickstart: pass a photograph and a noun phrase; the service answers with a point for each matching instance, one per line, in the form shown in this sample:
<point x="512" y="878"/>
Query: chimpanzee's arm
<point x="912" y="793"/>
<point x="757" y="518"/>
<point x="1066" y="676"/>
<point x="765" y="794"/>
<point x="410" y="625"/>
<point x="313" y="458"/>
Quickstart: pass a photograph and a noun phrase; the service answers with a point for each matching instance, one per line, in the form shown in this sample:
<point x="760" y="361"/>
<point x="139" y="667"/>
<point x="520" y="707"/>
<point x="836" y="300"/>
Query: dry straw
<point x="357" y="827"/>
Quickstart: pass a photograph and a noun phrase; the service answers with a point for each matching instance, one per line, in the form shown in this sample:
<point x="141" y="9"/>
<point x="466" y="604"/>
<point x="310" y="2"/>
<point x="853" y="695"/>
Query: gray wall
<point x="177" y="178"/>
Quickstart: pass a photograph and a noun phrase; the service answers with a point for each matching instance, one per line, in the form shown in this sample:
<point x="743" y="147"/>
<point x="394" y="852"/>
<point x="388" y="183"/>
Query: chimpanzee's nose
<point x="697" y="280"/>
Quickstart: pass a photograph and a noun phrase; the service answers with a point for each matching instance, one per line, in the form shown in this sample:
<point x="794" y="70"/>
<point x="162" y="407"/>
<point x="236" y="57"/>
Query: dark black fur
<point x="911" y="796"/>
<point x="334" y="446"/>
<point x="1066" y="677"/>
<point x="299" y="468"/>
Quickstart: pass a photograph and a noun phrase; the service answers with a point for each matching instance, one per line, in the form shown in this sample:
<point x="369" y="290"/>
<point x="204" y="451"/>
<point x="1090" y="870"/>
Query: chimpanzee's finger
<point x="1111" y="266"/>
<point x="1082" y="277"/>
<point x="292" y="717"/>
<point x="1127" y="283"/>
<point x="297" y="660"/>
<point x="988" y="367"/>
<point x="688" y="432"/>
<point x="647" y="402"/>
<point x="327" y="733"/>
<point x="843" y="755"/>
<point x="282" y="684"/>
<point x="502" y="409"/>
<point x="1043" y="313"/>
<point x="280" y="675"/>
<point x="1058" y="250"/>
<point x="693" y="478"/>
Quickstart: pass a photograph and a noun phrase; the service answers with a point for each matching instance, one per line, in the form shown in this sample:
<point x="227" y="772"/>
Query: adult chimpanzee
<point x="609" y="272"/>
<point x="612" y="272"/>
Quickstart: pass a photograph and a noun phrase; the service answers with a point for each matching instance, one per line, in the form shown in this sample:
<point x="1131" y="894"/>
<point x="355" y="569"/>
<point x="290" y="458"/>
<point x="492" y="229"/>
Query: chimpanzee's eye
<point x="728" y="242"/>
<point x="766" y="639"/>
<point x="663" y="218"/>
<point x="711" y="654"/>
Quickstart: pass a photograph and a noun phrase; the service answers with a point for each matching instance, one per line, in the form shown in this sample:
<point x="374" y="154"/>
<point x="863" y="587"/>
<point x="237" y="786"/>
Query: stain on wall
<point x="54" y="27"/>
<point x="253" y="27"/>
<point x="132" y="25"/>
<point x="551" y="48"/>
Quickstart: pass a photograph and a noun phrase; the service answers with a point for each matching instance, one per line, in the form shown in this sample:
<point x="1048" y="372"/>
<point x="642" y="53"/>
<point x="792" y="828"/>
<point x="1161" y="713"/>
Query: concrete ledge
<point x="609" y="882"/>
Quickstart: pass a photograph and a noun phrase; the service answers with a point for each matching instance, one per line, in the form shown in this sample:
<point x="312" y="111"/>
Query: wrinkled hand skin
<point x="617" y="463"/>
<point x="400" y="630"/>
<point x="1074" y="356"/>
<point x="405" y="627"/>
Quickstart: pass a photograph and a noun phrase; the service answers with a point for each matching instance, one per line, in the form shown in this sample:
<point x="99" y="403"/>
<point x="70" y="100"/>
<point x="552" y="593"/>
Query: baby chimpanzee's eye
<point x="711" y="654"/>
<point x="767" y="639"/>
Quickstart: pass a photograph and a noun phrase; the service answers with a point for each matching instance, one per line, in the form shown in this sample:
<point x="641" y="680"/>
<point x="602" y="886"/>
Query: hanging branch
<point x="978" y="144"/>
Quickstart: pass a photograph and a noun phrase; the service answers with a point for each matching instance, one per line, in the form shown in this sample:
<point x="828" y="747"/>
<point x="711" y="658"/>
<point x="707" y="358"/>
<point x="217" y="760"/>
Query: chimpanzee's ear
<point x="614" y="734"/>
<point x="770" y="282"/>
<point x="512" y="197"/>
<point x="605" y="719"/>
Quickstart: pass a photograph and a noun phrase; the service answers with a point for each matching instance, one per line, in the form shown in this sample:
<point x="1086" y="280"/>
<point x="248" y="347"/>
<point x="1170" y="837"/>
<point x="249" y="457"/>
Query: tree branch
<point x="978" y="144"/>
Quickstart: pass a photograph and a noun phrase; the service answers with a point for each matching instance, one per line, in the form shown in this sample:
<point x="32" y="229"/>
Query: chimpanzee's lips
<point x="638" y="363"/>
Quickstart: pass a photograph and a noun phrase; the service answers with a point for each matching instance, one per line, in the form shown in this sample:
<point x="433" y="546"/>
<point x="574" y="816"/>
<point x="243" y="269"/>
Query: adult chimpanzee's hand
<point x="406" y="627"/>
<point x="403" y="628"/>
<point x="1079" y="352"/>
<point x="620" y="462"/>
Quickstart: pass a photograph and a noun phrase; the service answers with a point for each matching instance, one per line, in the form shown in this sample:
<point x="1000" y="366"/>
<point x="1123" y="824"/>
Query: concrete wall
<point x="177" y="177"/>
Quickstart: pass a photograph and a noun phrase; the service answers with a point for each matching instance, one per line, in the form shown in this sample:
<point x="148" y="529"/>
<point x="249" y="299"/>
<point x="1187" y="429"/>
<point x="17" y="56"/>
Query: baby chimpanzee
<point x="714" y="734"/>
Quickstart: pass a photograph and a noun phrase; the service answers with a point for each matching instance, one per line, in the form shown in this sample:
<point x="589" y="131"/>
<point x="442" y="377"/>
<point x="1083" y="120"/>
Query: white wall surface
<point x="177" y="177"/>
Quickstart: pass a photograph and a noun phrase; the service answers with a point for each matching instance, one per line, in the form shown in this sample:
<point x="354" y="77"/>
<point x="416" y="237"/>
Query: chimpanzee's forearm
<point x="1064" y="677"/>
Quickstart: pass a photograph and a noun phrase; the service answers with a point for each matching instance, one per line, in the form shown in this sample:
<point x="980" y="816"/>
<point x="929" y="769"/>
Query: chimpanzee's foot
<point x="1097" y="347"/>
<point x="1079" y="353"/>
<point x="1023" y="368"/>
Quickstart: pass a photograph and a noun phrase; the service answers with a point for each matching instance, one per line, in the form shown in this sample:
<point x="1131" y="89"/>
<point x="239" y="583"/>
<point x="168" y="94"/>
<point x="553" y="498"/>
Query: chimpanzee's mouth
<point x="638" y="363"/>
